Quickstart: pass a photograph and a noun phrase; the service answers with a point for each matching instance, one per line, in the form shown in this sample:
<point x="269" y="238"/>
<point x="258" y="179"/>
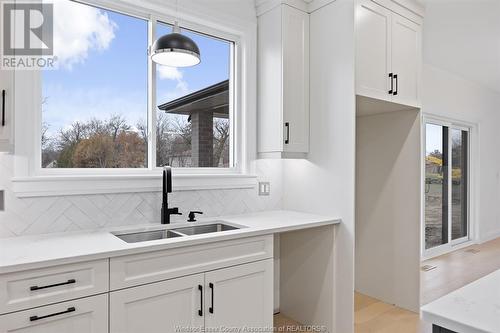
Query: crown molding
<point x="307" y="6"/>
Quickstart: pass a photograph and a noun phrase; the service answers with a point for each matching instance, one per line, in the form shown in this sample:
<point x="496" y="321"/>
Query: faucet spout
<point x="166" y="189"/>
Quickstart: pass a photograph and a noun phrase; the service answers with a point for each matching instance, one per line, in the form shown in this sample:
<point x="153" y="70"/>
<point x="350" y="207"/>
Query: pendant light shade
<point x="175" y="50"/>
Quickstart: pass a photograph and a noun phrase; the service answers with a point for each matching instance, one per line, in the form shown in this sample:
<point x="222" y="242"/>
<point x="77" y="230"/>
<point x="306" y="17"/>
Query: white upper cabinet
<point x="6" y="110"/>
<point x="388" y="54"/>
<point x="373" y="42"/>
<point x="283" y="82"/>
<point x="406" y="60"/>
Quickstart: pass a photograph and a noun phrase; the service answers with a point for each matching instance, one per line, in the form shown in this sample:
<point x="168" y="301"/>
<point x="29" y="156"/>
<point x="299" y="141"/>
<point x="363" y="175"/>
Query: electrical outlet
<point x="264" y="188"/>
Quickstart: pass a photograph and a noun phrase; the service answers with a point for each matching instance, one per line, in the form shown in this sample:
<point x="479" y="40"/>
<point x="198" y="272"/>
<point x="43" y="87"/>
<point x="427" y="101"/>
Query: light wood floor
<point x="285" y="324"/>
<point x="453" y="271"/>
<point x="457" y="269"/>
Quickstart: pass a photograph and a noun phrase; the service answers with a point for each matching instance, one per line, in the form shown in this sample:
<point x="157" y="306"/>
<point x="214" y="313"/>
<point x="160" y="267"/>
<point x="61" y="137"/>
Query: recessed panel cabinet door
<point x="6" y="108"/>
<point x="168" y="306"/>
<point x="240" y="296"/>
<point x="295" y="80"/>
<point x="406" y="60"/>
<point x="373" y="50"/>
<point x="84" y="315"/>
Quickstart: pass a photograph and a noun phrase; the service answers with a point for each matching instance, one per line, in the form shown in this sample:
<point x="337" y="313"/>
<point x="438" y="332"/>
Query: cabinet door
<point x="240" y="296"/>
<point x="6" y="109"/>
<point x="295" y="34"/>
<point x="373" y="50"/>
<point x="84" y="315"/>
<point x="406" y="60"/>
<point x="167" y="306"/>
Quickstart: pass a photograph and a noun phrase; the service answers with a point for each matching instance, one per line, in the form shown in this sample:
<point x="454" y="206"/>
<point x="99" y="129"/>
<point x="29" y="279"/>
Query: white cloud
<point x="174" y="74"/>
<point x="169" y="73"/>
<point x="79" y="29"/>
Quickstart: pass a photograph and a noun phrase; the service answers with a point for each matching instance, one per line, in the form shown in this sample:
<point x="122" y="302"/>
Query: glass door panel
<point x="436" y="186"/>
<point x="459" y="198"/>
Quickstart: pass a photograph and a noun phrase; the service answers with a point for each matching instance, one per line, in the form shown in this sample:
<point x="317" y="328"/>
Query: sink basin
<point x="205" y="229"/>
<point x="147" y="236"/>
<point x="143" y="236"/>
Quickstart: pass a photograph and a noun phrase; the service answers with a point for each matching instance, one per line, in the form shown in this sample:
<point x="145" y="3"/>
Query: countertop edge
<point x="243" y="233"/>
<point x="447" y="323"/>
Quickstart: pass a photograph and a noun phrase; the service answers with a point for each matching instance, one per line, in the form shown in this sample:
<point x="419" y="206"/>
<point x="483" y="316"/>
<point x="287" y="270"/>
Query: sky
<point x="102" y="67"/>
<point x="434" y="138"/>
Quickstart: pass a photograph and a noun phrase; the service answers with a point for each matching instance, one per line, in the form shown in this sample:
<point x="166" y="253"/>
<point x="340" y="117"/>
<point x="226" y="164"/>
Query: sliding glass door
<point x="446" y="213"/>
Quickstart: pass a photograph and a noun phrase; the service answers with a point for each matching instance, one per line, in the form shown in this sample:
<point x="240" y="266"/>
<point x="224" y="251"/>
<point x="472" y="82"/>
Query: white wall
<point x="67" y="213"/>
<point x="388" y="207"/>
<point x="448" y="95"/>
<point x="461" y="80"/>
<point x="461" y="36"/>
<point x="324" y="183"/>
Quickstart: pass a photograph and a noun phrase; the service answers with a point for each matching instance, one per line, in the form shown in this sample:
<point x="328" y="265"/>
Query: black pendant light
<point x="175" y="49"/>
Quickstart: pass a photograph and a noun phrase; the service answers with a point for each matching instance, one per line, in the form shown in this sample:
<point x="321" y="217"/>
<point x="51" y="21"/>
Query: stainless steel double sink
<point x="143" y="236"/>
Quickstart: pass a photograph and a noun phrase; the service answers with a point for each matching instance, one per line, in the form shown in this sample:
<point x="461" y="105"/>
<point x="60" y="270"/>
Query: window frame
<point x="153" y="20"/>
<point x="31" y="177"/>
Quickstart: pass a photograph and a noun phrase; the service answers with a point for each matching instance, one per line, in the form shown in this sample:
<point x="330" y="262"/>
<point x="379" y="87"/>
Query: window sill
<point x="39" y="186"/>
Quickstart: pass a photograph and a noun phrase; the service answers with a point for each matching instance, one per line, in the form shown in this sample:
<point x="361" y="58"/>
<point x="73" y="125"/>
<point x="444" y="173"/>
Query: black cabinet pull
<point x="3" y="107"/>
<point x="35" y="318"/>
<point x="200" y="311"/>
<point x="287" y="126"/>
<point x="396" y="90"/>
<point x="392" y="84"/>
<point x="70" y="281"/>
<point x="211" y="308"/>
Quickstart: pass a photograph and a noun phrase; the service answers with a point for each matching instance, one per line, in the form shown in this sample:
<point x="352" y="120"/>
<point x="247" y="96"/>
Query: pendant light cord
<point x="176" y="18"/>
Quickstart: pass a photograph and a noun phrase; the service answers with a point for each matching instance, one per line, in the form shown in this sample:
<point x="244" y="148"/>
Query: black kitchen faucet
<point x="166" y="189"/>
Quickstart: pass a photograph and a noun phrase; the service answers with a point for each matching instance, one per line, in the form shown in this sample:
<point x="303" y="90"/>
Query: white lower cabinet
<point x="158" y="307"/>
<point x="217" y="287"/>
<point x="84" y="315"/>
<point x="238" y="296"/>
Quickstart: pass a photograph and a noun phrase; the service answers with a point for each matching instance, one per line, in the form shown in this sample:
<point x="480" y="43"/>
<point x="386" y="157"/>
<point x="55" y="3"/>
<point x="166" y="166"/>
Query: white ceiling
<point x="463" y="37"/>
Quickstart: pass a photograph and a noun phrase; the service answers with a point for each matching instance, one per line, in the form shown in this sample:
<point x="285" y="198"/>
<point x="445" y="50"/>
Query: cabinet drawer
<point x="27" y="289"/>
<point x="150" y="267"/>
<point x="85" y="315"/>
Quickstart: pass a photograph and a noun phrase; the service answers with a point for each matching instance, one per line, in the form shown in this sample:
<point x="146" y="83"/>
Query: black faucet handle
<point x="174" y="211"/>
<point x="192" y="215"/>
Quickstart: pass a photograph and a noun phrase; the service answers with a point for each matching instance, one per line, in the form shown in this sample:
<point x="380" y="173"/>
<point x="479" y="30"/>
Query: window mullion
<point x="151" y="98"/>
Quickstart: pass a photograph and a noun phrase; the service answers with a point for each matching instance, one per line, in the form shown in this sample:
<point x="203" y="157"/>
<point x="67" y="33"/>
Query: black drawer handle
<point x="211" y="308"/>
<point x="200" y="311"/>
<point x="392" y="84"/>
<point x="287" y="140"/>
<point x="3" y="107"/>
<point x="35" y="318"/>
<point x="70" y="281"/>
<point x="396" y="90"/>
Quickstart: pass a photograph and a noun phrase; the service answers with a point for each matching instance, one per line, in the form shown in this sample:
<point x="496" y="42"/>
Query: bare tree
<point x="221" y="138"/>
<point x="117" y="124"/>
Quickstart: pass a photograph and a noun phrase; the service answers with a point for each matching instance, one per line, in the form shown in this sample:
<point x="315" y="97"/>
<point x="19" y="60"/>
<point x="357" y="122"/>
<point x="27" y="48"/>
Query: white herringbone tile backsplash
<point x="28" y="216"/>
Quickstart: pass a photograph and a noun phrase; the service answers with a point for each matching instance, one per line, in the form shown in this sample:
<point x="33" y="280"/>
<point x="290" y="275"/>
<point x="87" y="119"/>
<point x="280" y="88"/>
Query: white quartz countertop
<point x="28" y="252"/>
<point x="474" y="308"/>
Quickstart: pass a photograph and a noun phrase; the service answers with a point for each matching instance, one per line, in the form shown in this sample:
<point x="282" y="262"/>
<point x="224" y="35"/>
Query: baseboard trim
<point x="489" y="236"/>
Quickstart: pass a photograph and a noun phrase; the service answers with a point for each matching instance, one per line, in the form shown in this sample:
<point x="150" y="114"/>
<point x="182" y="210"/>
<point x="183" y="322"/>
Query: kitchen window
<point x="98" y="105"/>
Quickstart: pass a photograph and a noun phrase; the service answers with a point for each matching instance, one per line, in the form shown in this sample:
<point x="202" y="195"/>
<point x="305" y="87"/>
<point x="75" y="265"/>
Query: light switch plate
<point x="264" y="188"/>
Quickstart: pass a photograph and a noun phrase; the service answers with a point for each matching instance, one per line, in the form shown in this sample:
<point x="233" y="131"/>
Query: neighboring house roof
<point x="214" y="98"/>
